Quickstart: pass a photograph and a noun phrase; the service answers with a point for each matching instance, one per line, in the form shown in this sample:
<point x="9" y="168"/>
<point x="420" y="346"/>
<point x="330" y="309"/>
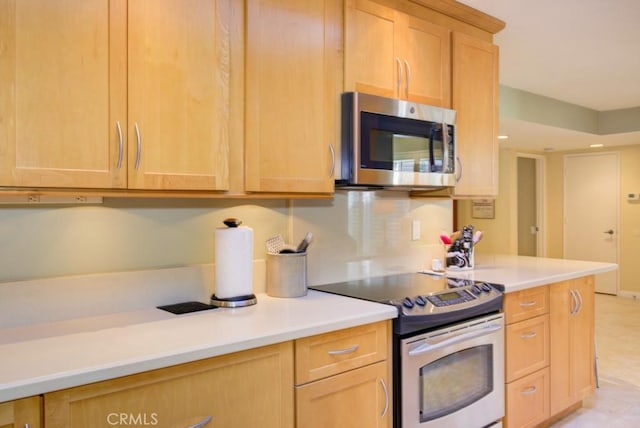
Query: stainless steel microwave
<point x="392" y="143"/>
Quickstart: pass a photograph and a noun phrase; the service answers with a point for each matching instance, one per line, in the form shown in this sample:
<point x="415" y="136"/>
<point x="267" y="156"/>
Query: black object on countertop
<point x="186" y="307"/>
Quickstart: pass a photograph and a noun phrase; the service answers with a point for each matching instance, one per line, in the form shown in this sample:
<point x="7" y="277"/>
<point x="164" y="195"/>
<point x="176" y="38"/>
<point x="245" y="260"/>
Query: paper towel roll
<point x="234" y="261"/>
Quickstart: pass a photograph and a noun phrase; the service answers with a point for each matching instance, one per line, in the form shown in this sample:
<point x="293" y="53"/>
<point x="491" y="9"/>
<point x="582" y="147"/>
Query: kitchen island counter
<point x="521" y="272"/>
<point x="40" y="359"/>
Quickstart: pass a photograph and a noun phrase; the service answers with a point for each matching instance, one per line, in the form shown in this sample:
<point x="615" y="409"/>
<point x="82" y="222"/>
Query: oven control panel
<point x="449" y="300"/>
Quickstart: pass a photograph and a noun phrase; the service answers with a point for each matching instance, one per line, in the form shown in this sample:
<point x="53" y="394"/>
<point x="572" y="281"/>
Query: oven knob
<point x="476" y="290"/>
<point x="407" y="302"/>
<point x="421" y="300"/>
<point x="486" y="287"/>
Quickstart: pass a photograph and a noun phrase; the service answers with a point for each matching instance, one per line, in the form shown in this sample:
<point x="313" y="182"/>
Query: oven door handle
<point x="428" y="346"/>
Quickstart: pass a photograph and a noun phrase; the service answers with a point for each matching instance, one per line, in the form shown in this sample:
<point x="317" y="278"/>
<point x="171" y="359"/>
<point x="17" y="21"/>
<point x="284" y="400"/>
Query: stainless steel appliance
<point x="391" y="143"/>
<point x="448" y="348"/>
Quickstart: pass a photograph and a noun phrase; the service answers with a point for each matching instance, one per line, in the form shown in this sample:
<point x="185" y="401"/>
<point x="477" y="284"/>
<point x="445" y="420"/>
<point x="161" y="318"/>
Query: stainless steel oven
<point x="448" y="348"/>
<point x="454" y="376"/>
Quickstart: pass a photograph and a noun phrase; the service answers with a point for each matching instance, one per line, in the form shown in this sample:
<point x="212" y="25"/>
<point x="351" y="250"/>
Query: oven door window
<point x="400" y="144"/>
<point x="455" y="381"/>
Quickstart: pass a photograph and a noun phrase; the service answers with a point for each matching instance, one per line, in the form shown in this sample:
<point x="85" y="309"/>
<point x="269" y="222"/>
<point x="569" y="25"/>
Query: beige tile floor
<point x="616" y="404"/>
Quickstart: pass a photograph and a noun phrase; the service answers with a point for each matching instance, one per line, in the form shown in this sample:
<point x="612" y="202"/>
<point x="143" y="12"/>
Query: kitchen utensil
<point x="275" y="244"/>
<point x="302" y="247"/>
<point x="445" y="239"/>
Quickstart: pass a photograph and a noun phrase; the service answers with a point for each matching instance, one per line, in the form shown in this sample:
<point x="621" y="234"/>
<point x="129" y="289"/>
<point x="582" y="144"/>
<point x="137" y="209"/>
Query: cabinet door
<point x="357" y="398"/>
<point x="63" y="86"/>
<point x="178" y="94"/>
<point x="26" y="412"/>
<point x="572" y="342"/>
<point x="370" y="44"/>
<point x="583" y="333"/>
<point x="475" y="98"/>
<point x="426" y="57"/>
<point x="293" y="53"/>
<point x="247" y="389"/>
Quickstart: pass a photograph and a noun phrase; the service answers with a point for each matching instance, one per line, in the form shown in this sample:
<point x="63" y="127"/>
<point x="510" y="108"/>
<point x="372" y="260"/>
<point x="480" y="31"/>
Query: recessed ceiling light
<point x="503" y="137"/>
<point x="596" y="145"/>
<point x="548" y="149"/>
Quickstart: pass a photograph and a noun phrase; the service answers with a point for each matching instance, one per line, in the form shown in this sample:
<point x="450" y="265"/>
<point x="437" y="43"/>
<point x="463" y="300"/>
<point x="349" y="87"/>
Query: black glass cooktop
<point x="385" y="289"/>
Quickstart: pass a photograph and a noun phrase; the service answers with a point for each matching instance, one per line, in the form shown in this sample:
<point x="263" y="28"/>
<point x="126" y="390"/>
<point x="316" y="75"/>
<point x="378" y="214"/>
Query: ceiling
<point x="584" y="52"/>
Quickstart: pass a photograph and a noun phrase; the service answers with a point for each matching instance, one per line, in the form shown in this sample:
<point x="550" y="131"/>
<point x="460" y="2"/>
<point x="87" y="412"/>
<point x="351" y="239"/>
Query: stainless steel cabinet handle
<point x="580" y="301"/>
<point x="529" y="391"/>
<point x="386" y="398"/>
<point x="202" y="423"/>
<point x="120" y="145"/>
<point x="333" y="160"/>
<point x="459" y="176"/>
<point x="399" y="81"/>
<point x="529" y="303"/>
<point x="408" y="79"/>
<point x="139" y="145"/>
<point x="354" y="348"/>
<point x="530" y="335"/>
<point x="574" y="303"/>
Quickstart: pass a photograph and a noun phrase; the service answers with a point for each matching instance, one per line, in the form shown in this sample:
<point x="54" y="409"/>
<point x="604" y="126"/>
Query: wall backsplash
<point x="75" y="261"/>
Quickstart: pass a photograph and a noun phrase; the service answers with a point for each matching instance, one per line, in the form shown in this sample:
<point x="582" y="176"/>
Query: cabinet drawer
<point x="327" y="354"/>
<point x="358" y="398"/>
<point x="525" y="304"/>
<point x="527" y="344"/>
<point x="528" y="400"/>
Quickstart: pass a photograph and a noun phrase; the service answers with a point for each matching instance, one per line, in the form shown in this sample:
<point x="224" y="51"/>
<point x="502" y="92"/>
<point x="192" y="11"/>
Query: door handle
<point x="609" y="232"/>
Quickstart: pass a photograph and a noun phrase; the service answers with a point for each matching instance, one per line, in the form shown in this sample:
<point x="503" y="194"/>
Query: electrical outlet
<point x="415" y="230"/>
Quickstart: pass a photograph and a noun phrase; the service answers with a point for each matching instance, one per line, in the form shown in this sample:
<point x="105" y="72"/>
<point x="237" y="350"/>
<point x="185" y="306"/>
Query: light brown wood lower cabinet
<point x="357" y="398"/>
<point x="21" y="413"/>
<point x="251" y="388"/>
<point x="343" y="378"/>
<point x="528" y="400"/>
<point x="572" y="316"/>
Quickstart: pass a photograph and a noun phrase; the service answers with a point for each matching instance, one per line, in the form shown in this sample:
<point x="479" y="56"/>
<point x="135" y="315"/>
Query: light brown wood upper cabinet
<point x="475" y="99"/>
<point x="114" y="94"/>
<point x="293" y="66"/>
<point x="63" y="89"/>
<point x="393" y="54"/>
<point x="178" y="94"/>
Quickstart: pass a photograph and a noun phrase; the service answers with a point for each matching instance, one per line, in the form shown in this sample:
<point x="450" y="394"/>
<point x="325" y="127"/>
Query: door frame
<point x="618" y="186"/>
<point x="541" y="197"/>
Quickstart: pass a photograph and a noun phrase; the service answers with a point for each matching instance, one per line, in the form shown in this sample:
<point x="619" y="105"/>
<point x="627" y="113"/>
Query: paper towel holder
<point x="237" y="301"/>
<point x="234" y="302"/>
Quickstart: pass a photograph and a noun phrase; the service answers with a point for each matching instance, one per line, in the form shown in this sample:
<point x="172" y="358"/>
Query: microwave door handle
<point x="445" y="148"/>
<point x="431" y="152"/>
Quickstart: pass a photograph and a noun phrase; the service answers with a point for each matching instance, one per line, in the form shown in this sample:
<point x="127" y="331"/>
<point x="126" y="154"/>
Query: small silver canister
<point x="287" y="274"/>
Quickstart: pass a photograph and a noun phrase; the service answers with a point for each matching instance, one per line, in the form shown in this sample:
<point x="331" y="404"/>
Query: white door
<point x="591" y="205"/>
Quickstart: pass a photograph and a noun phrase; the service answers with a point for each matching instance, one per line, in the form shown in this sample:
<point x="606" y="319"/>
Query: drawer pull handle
<point x="527" y="304"/>
<point x="202" y="423"/>
<point x="529" y="391"/>
<point x="354" y="348"/>
<point x="386" y="398"/>
<point x="530" y="335"/>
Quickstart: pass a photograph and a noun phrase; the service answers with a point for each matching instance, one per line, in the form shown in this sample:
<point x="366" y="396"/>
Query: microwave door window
<point x="410" y="153"/>
<point x="394" y="144"/>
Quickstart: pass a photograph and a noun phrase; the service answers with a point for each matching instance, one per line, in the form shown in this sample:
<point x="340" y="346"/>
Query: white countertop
<point x="42" y="358"/>
<point x="48" y="356"/>
<point x="519" y="272"/>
